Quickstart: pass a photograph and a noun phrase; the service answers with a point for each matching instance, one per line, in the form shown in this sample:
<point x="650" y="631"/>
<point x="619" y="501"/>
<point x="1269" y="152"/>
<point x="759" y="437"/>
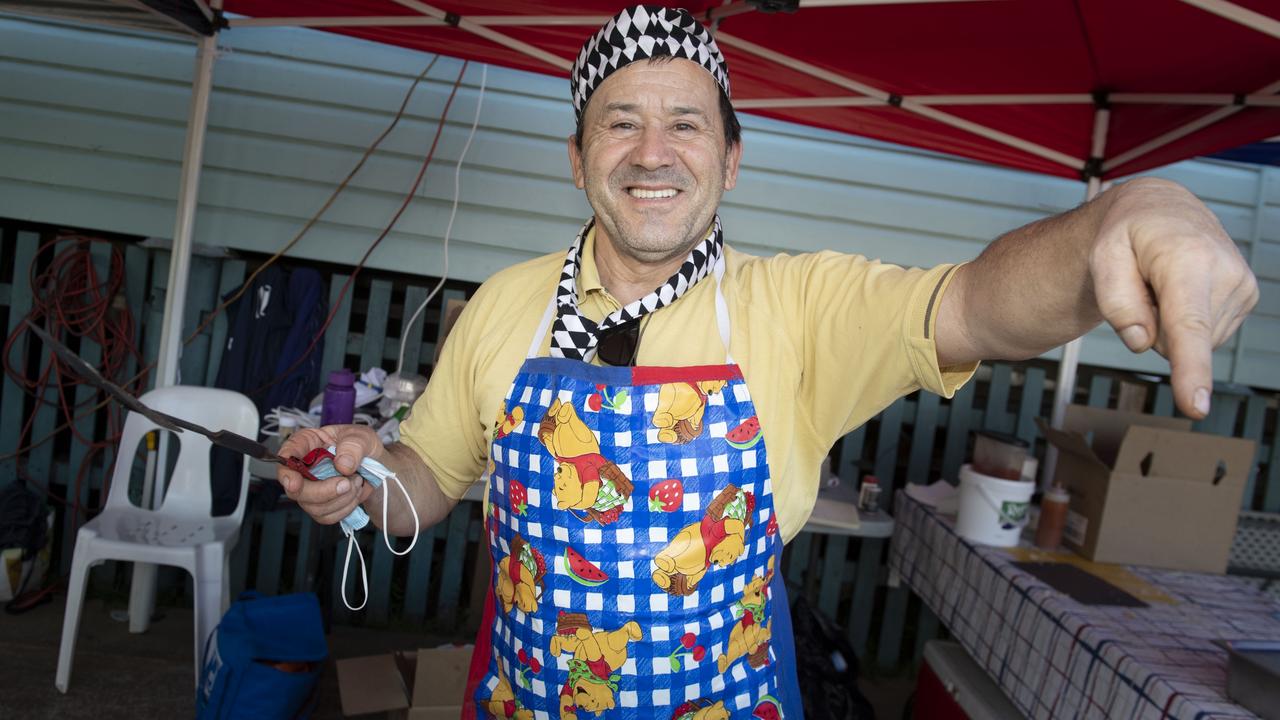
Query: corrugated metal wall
<point x="92" y="123"/>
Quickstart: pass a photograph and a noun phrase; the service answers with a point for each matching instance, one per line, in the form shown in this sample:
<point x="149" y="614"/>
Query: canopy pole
<point x="1070" y="362"/>
<point x="1241" y="15"/>
<point x="142" y="590"/>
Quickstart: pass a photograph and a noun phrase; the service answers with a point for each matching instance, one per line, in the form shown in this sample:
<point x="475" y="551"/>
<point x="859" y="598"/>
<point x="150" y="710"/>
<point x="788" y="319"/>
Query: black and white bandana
<point x="574" y="336"/>
<point x="639" y="33"/>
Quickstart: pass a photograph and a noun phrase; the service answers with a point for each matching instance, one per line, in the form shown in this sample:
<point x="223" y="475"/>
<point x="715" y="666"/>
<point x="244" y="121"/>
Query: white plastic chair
<point x="182" y="531"/>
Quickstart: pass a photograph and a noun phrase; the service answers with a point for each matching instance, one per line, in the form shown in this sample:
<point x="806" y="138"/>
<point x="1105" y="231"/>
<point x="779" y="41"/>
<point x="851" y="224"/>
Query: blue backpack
<point x="264" y="659"/>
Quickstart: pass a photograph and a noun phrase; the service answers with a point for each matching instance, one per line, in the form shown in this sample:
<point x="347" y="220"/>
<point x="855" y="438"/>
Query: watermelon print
<point x="583" y="570"/>
<point x="746" y="435"/>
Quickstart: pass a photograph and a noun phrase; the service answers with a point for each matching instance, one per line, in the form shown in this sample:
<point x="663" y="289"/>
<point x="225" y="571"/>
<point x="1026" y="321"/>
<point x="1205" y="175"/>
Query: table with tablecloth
<point x="1055" y="657"/>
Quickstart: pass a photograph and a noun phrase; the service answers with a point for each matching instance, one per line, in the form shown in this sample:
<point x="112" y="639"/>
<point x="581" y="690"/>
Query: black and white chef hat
<point x="639" y="33"/>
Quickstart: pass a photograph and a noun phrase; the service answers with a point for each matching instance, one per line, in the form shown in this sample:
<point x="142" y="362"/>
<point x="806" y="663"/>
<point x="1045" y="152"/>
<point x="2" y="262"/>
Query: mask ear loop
<point x="364" y="577"/>
<point x="386" y="538"/>
<point x="417" y="527"/>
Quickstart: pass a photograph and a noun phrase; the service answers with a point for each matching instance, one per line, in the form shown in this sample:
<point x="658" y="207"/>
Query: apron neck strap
<point x="722" y="317"/>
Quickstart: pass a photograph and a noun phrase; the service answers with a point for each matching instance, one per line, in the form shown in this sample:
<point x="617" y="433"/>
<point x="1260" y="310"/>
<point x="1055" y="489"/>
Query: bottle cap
<point x="343" y="377"/>
<point x="1057" y="493"/>
<point x="870" y="479"/>
<point x="288" y="421"/>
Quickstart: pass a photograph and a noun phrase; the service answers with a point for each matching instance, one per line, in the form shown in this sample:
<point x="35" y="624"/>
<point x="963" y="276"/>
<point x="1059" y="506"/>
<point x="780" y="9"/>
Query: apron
<point x="636" y="552"/>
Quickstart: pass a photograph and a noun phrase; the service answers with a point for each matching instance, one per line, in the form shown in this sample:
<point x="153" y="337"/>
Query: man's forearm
<point x="431" y="504"/>
<point x="1028" y="292"/>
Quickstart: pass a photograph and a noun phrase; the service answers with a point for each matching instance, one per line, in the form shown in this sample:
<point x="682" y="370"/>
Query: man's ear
<point x="575" y="163"/>
<point x="732" y="158"/>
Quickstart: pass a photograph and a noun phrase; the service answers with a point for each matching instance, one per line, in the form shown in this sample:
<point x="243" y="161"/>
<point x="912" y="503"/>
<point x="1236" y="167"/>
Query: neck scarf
<point x="575" y="336"/>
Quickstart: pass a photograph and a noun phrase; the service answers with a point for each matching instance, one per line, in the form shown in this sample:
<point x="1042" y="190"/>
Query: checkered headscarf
<point x="575" y="336"/>
<point x="639" y="33"/>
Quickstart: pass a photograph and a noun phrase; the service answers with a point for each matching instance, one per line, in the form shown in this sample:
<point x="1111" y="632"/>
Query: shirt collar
<point x="588" y="274"/>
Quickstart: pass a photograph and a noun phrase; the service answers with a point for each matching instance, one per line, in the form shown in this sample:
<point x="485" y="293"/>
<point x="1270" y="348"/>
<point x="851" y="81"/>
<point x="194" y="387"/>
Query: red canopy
<point x="1011" y="82"/>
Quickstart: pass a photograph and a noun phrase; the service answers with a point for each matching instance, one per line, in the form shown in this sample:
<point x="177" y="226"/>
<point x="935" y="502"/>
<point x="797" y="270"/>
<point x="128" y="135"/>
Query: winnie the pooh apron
<point x="635" y="548"/>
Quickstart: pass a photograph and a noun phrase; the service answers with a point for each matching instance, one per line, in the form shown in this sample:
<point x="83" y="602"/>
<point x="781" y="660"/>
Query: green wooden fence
<point x="916" y="440"/>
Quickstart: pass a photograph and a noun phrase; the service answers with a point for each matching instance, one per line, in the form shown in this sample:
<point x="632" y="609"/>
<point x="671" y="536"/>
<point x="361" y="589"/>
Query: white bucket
<point x="992" y="511"/>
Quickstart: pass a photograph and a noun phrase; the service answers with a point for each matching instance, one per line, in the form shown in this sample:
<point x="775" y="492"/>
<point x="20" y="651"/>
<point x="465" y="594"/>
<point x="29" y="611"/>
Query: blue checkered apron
<point x="636" y="553"/>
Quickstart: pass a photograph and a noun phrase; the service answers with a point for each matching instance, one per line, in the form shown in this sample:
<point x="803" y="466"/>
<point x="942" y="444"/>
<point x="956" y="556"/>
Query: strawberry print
<point x="666" y="496"/>
<point x="519" y="498"/>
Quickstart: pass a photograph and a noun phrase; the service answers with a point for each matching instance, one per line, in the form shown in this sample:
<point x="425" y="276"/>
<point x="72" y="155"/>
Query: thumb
<point x="349" y="451"/>
<point x="1121" y="292"/>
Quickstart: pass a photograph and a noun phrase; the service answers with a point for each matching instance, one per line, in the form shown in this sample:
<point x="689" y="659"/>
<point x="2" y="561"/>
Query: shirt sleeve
<point x="444" y="425"/>
<point x="867" y="336"/>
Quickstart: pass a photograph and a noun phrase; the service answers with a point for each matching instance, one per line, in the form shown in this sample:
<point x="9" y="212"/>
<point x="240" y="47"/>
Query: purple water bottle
<point x="339" y="398"/>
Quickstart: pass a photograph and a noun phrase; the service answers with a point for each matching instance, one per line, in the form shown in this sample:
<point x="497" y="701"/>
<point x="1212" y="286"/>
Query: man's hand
<point x="1167" y="276"/>
<point x="1146" y="256"/>
<point x="329" y="501"/>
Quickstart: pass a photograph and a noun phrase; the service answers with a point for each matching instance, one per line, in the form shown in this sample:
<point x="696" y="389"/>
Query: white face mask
<point x="376" y="474"/>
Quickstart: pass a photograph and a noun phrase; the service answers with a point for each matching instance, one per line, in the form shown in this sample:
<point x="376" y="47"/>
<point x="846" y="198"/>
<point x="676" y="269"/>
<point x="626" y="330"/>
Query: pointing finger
<point x="1187" y="333"/>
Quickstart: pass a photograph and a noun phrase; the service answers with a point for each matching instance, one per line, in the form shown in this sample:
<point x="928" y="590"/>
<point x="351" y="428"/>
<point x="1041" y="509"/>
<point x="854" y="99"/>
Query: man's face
<point x="654" y="162"/>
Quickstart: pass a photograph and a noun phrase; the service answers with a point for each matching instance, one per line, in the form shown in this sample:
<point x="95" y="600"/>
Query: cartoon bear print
<point x="597" y="656"/>
<point x="701" y="709"/>
<point x="750" y="635"/>
<point x="681" y="407"/>
<point x="502" y="703"/>
<point x="520" y="577"/>
<point x="718" y="539"/>
<point x="507" y="422"/>
<point x="584" y="479"/>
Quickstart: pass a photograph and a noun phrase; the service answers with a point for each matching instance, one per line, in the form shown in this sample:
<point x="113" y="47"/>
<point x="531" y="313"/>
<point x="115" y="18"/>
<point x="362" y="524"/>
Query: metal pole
<point x="1065" y="389"/>
<point x="142" y="591"/>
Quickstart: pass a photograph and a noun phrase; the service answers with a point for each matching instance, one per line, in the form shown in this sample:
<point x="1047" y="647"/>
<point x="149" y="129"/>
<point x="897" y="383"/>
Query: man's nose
<point x="653" y="150"/>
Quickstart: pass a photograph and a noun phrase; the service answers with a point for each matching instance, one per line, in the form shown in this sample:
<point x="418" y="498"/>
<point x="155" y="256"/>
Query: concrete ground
<point x="136" y="677"/>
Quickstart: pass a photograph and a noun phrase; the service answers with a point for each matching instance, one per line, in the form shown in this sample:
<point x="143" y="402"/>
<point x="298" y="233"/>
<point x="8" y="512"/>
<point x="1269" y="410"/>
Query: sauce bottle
<point x="1053" y="518"/>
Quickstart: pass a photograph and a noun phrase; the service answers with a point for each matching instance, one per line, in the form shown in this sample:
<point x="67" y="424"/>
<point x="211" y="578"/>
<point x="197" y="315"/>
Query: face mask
<point x="376" y="474"/>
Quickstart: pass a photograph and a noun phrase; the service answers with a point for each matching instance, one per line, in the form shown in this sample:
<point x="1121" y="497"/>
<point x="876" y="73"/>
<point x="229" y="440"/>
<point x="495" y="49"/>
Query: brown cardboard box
<point x="426" y="685"/>
<point x="1146" y="490"/>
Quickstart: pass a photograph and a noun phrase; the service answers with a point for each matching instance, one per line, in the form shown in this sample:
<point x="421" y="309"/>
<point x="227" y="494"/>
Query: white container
<point x="992" y="511"/>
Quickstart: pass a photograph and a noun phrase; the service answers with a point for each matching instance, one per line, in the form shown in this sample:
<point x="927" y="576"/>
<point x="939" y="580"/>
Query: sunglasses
<point x="618" y="345"/>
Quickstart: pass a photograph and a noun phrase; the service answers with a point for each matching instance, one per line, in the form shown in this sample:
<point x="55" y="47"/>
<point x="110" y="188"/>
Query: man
<point x="636" y="518"/>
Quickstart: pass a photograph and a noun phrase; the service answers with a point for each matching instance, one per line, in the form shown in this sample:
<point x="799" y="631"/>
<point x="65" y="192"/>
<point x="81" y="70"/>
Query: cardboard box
<point x="425" y="685"/>
<point x="1146" y="490"/>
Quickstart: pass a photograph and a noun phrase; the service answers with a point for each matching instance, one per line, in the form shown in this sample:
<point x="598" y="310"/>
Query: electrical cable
<point x="408" y="198"/>
<point x="71" y="298"/>
<point x="457" y="192"/>
<point x="404" y="103"/>
<point x="137" y="380"/>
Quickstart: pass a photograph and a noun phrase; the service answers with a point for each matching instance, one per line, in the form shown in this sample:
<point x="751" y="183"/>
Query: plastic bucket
<point x="992" y="511"/>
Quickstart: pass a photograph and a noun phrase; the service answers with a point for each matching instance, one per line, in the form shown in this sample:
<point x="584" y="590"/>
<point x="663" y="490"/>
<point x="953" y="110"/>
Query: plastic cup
<point x="999" y="455"/>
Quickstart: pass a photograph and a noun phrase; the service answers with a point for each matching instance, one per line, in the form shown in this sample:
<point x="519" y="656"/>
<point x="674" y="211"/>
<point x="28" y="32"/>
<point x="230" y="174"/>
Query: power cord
<point x="457" y="192"/>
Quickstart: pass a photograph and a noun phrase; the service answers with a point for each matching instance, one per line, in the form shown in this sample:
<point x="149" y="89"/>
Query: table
<point x="1057" y="658"/>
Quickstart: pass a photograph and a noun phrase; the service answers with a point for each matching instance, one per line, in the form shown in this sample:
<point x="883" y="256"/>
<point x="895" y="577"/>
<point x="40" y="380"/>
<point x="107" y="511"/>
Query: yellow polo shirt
<point x="825" y="341"/>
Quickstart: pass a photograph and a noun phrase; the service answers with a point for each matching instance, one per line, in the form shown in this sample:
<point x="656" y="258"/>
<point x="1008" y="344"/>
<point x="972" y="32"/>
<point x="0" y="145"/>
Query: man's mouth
<point x="652" y="193"/>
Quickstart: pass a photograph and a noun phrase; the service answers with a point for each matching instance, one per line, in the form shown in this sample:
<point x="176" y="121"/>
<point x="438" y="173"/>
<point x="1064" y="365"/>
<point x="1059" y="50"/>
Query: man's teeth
<point x="652" y="194"/>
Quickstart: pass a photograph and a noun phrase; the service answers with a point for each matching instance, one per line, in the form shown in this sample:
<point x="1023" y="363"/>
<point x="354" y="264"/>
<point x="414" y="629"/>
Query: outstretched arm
<point x="1146" y="256"/>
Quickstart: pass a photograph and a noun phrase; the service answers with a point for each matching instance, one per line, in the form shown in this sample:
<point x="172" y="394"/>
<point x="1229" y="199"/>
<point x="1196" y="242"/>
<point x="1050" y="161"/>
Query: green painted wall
<point x="92" y="124"/>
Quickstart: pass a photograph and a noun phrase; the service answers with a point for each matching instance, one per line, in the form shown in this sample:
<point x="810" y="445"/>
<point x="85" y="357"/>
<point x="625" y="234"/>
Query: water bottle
<point x="339" y="398"/>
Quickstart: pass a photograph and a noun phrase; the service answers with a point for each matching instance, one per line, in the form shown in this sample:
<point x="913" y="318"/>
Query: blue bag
<point x="264" y="659"/>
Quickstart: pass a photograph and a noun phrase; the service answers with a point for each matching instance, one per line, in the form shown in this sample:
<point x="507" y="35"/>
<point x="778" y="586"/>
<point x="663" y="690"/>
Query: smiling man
<point x="652" y="408"/>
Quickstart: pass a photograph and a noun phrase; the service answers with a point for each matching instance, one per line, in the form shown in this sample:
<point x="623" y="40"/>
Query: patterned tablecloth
<point x="1057" y="658"/>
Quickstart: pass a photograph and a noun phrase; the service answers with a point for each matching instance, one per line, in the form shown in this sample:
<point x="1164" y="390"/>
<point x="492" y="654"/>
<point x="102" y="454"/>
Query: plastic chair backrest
<point x="189" y="487"/>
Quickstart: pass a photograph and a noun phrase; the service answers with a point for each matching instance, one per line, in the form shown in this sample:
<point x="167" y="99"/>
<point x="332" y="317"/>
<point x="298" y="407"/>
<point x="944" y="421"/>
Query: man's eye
<point x="684" y="127"/>
<point x="624" y="126"/>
